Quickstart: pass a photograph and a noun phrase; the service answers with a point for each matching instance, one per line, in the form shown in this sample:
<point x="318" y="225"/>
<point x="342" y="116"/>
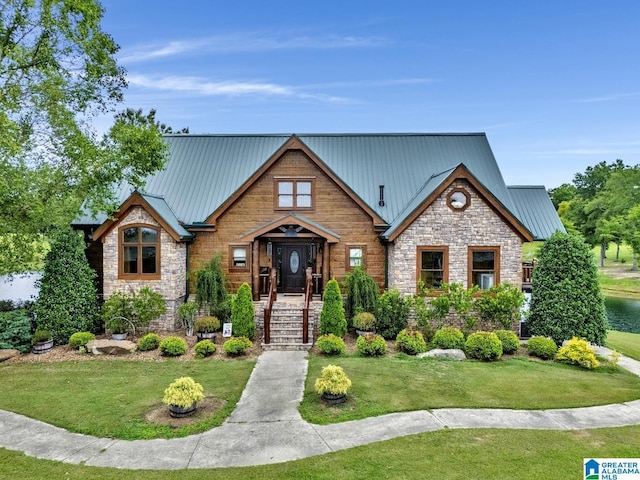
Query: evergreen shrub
<point x="392" y="313"/>
<point x="371" y="345"/>
<point x="211" y="289"/>
<point x="510" y="341"/>
<point x="330" y="344"/>
<point x="332" y="319"/>
<point x="80" y="339"/>
<point x="411" y="342"/>
<point x="449" y="337"/>
<point x="542" y="347"/>
<point x="361" y="293"/>
<point x="204" y="348"/>
<point x="173" y="347"/>
<point x="242" y="313"/>
<point x="484" y="346"/>
<point x="577" y="351"/>
<point x="149" y="342"/>
<point x="237" y="345"/>
<point x="15" y="330"/>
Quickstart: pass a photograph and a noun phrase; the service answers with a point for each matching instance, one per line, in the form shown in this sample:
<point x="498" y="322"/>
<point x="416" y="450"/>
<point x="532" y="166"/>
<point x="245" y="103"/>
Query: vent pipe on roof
<point x="381" y="201"/>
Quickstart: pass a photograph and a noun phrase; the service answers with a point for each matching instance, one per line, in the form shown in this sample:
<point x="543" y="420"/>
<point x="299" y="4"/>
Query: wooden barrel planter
<point x="180" y="412"/>
<point x="42" y="347"/>
<point x="334" y="398"/>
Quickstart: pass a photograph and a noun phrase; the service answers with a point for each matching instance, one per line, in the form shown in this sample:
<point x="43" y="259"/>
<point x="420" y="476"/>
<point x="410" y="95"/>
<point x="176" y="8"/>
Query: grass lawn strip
<point x="450" y="454"/>
<point x="387" y="385"/>
<point x="626" y="343"/>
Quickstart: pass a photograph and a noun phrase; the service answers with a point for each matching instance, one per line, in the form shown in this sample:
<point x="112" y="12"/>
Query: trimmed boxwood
<point x="204" y="348"/>
<point x="150" y="341"/>
<point x="484" y="346"/>
<point x="331" y="344"/>
<point x="411" y="342"/>
<point x="510" y="341"/>
<point x="371" y="345"/>
<point x="236" y="345"/>
<point x="80" y="339"/>
<point x="173" y="347"/>
<point x="449" y="337"/>
<point x="542" y="347"/>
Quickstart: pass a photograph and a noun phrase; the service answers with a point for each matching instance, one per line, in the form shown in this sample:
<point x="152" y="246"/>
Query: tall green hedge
<point x="67" y="302"/>
<point x="15" y="330"/>
<point x="566" y="301"/>
<point x="332" y="319"/>
<point x="242" y="313"/>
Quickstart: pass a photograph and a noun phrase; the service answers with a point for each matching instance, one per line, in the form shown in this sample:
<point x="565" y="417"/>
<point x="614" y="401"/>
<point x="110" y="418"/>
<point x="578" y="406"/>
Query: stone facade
<point x="438" y="225"/>
<point x="172" y="284"/>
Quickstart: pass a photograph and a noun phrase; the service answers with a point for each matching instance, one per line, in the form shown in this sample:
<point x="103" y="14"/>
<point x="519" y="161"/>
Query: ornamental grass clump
<point x="485" y="346"/>
<point x="577" y="351"/>
<point x="542" y="347"/>
<point x="183" y="392"/>
<point x="80" y="339"/>
<point x="411" y="342"/>
<point x="173" y="347"/>
<point x="510" y="341"/>
<point x="149" y="342"/>
<point x="204" y="348"/>
<point x="448" y="338"/>
<point x="331" y="344"/>
<point x="371" y="345"/>
<point x="332" y="381"/>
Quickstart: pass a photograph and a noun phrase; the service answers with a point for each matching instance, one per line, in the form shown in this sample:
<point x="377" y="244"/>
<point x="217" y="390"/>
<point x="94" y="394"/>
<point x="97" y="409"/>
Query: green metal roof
<point x="205" y="170"/>
<point x="164" y="211"/>
<point x="535" y="210"/>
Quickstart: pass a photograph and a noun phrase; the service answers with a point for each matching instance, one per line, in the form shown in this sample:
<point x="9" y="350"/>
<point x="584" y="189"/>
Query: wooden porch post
<point x="326" y="268"/>
<point x="255" y="269"/>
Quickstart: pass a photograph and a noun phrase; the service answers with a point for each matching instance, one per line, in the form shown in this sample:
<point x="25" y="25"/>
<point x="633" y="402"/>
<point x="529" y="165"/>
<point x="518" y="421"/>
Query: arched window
<point x="139" y="252"/>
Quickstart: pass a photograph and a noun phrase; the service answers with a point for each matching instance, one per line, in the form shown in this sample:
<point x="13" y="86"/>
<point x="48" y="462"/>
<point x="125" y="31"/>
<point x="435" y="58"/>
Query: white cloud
<point x="608" y="98"/>
<point x="248" y="42"/>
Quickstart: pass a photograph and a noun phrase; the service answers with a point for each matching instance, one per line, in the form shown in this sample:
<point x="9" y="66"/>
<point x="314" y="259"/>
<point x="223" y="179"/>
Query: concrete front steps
<point x="286" y="326"/>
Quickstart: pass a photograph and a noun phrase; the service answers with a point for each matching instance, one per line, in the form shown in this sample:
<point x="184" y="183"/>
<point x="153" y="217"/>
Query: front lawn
<point x="111" y="398"/>
<point x="387" y="385"/>
<point x="452" y="454"/>
<point x="626" y="343"/>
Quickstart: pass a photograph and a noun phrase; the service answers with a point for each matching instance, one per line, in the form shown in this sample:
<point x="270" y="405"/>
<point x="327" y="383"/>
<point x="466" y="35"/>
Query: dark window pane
<point x="432" y="279"/>
<point x="130" y="235"/>
<point x="148" y="259"/>
<point x="130" y="259"/>
<point x="149" y="235"/>
<point x="483" y="260"/>
<point x="432" y="260"/>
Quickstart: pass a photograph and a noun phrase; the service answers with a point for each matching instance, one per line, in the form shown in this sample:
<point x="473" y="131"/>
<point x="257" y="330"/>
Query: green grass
<point x="387" y="385"/>
<point x="627" y="344"/>
<point x="110" y="398"/>
<point x="452" y="454"/>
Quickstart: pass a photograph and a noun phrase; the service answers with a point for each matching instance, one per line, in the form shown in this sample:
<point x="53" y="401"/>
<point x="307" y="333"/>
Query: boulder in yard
<point x="449" y="353"/>
<point x="111" y="347"/>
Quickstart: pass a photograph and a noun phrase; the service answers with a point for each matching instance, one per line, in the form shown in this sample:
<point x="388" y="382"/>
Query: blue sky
<point x="554" y="84"/>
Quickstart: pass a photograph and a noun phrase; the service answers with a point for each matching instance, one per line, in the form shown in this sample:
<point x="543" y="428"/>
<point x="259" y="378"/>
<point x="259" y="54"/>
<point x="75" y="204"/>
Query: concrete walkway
<point x="266" y="427"/>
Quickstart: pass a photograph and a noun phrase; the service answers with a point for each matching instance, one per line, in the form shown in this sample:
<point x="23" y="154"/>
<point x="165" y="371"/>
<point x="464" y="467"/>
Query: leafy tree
<point x="67" y="302"/>
<point x="332" y="319"/>
<point x="564" y="193"/>
<point x="242" y="313"/>
<point x="566" y="299"/>
<point x="58" y="71"/>
<point x="361" y="293"/>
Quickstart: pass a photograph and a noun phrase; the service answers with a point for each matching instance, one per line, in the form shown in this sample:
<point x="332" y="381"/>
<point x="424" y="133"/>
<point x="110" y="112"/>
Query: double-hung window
<point x="294" y="194"/>
<point x="355" y="256"/>
<point x="433" y="266"/>
<point x="484" y="266"/>
<point x="139" y="252"/>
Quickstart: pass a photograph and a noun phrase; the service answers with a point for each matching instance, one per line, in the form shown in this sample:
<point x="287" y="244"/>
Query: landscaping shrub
<point x="173" y="347"/>
<point x="542" y="347"/>
<point x="332" y="380"/>
<point x="15" y="330"/>
<point x="566" y="300"/>
<point x="211" y="289"/>
<point x="411" y="342"/>
<point x="392" y="313"/>
<point x="510" y="341"/>
<point x="204" y="348"/>
<point x="139" y="308"/>
<point x="371" y="345"/>
<point x="449" y="337"/>
<point x="80" y="339"/>
<point x="484" y="346"/>
<point x="331" y="344"/>
<point x="577" y="351"/>
<point x="364" y="321"/>
<point x="236" y="345"/>
<point x="206" y="325"/>
<point x="332" y="319"/>
<point x="67" y="302"/>
<point x="183" y="392"/>
<point x="149" y="342"/>
<point x="242" y="313"/>
<point x="500" y="304"/>
<point x="361" y="293"/>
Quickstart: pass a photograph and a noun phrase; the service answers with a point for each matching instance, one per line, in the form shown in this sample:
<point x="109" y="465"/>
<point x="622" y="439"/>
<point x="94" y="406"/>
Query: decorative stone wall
<point x="172" y="284"/>
<point x="438" y="225"/>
